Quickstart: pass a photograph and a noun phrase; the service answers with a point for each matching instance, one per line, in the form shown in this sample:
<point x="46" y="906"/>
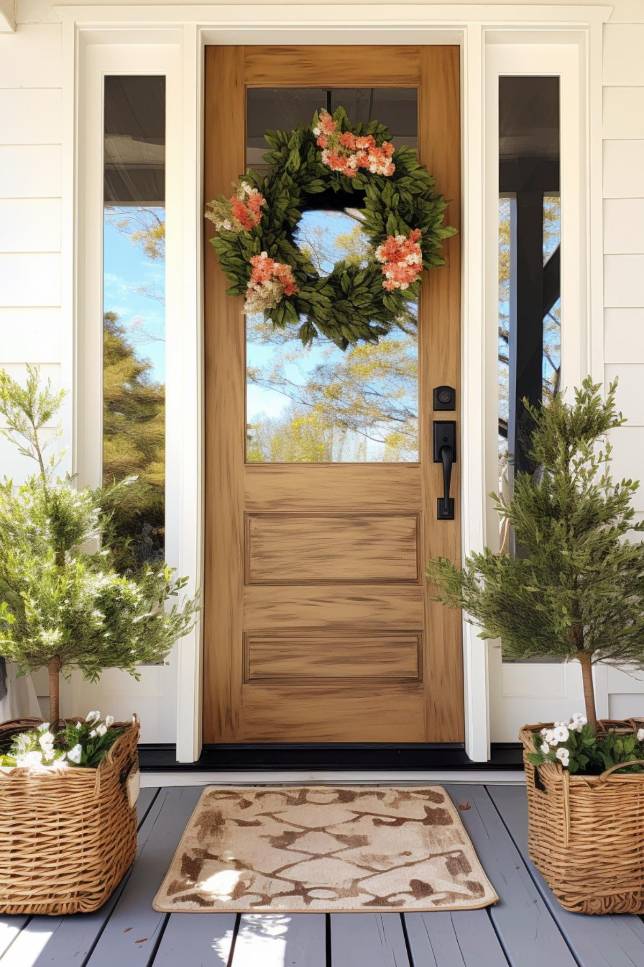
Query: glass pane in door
<point x="319" y="404"/>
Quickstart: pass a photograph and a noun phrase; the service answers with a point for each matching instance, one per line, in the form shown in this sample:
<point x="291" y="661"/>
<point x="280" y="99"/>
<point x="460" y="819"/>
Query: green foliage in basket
<point x="63" y="604"/>
<point x="76" y="744"/>
<point x="576" y="746"/>
<point x="576" y="590"/>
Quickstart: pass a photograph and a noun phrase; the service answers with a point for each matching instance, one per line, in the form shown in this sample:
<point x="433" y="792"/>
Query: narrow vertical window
<point x="529" y="309"/>
<point x="134" y="312"/>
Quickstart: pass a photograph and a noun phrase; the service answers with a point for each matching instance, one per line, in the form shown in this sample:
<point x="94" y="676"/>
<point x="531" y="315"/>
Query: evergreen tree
<point x="576" y="591"/>
<point x="63" y="604"/>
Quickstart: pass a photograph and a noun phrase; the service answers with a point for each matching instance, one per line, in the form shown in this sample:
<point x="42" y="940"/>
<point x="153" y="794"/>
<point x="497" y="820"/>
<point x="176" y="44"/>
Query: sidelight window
<point x="529" y="246"/>
<point x="134" y="311"/>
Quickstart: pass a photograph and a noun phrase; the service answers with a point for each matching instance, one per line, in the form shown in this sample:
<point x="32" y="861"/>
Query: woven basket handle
<point x="620" y="765"/>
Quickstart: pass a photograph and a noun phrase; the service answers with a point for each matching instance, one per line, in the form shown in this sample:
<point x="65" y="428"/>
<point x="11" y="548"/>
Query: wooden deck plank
<point x="10" y="927"/>
<point x="459" y="939"/>
<point x="376" y="939"/>
<point x="280" y="940"/>
<point x="195" y="939"/>
<point x="610" y="941"/>
<point x="62" y="941"/>
<point x="527" y="931"/>
<point x="132" y="931"/>
<point x="145" y="800"/>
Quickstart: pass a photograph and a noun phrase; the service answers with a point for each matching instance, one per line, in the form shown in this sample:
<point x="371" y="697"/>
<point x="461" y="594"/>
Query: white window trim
<point x="529" y="692"/>
<point x="186" y="29"/>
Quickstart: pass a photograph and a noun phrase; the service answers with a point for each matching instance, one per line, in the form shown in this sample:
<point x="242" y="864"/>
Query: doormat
<point x="331" y="849"/>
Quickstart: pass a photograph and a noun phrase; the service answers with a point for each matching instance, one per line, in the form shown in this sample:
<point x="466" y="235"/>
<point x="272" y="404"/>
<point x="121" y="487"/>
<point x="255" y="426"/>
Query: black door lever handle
<point x="445" y="453"/>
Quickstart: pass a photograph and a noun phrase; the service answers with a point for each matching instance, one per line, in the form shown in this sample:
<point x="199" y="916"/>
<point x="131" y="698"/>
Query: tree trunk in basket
<point x="589" y="687"/>
<point x="54" y="690"/>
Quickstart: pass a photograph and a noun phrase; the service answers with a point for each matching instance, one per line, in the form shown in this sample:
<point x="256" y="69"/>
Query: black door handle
<point x="445" y="453"/>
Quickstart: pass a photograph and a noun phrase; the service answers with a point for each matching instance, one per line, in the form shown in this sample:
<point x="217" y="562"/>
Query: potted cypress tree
<point x="67" y="823"/>
<point x="573" y="591"/>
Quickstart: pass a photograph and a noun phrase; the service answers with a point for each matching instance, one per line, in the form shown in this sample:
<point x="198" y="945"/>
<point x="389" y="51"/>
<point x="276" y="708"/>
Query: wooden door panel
<point x="375" y="712"/>
<point x="351" y="548"/>
<point x="300" y="657"/>
<point x="340" y="486"/>
<point x="318" y="623"/>
<point x="333" y="608"/>
<point x="339" y="66"/>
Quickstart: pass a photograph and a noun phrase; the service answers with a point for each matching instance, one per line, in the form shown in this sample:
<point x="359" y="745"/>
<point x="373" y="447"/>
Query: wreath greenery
<point x="331" y="164"/>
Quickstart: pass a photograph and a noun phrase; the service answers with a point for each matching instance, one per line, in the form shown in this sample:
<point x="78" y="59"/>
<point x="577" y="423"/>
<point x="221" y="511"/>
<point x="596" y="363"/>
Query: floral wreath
<point x="401" y="214"/>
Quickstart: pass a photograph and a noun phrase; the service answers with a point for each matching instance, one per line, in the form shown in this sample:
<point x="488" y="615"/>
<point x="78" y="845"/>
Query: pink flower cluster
<point x="347" y="153"/>
<point x="401" y="259"/>
<point x="241" y="212"/>
<point x="269" y="282"/>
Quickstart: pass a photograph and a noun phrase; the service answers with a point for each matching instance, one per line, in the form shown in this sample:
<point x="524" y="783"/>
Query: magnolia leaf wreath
<point x="398" y="208"/>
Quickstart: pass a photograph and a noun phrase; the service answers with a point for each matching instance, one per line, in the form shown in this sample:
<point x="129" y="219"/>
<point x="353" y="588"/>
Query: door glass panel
<point x="529" y="306"/>
<point x="134" y="312"/>
<point x="529" y="303"/>
<point x="319" y="404"/>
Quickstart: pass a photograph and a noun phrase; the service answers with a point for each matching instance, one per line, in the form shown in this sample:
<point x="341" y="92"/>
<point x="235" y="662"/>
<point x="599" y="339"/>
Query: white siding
<point x="31" y="324"/>
<point x="30" y="205"/>
<point x="623" y="268"/>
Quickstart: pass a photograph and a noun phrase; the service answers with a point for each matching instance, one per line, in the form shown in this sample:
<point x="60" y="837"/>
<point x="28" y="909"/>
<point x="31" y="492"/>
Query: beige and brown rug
<point x="324" y="849"/>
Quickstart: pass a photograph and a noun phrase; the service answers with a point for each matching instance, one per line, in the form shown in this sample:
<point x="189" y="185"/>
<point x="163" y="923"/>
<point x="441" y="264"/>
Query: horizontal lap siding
<point x="31" y="324"/>
<point x="623" y="181"/>
<point x="623" y="184"/>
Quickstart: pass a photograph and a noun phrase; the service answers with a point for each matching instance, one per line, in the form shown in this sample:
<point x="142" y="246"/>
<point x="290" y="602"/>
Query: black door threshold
<point x="328" y="758"/>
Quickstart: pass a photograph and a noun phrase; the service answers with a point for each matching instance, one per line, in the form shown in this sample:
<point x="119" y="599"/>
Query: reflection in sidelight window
<point x="134" y="312"/>
<point x="529" y="304"/>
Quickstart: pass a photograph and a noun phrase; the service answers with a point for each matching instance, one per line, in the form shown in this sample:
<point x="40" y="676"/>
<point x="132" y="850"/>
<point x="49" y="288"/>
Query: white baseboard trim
<point x="482" y="777"/>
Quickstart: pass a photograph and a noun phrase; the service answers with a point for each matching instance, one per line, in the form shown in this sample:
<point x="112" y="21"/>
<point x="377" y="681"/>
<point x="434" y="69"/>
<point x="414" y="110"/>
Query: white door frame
<point x="188" y="29"/>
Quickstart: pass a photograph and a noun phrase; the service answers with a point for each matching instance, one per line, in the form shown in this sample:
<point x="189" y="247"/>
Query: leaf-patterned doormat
<point x="333" y="849"/>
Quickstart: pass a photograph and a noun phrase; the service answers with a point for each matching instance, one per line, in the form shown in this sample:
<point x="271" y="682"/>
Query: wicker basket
<point x="67" y="836"/>
<point x="586" y="833"/>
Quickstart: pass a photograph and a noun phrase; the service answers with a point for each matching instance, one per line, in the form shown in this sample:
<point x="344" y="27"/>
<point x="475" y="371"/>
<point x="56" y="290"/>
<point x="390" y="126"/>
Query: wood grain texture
<point x="522" y="912"/>
<point x="331" y="549"/>
<point x="224" y="410"/>
<point x="440" y="363"/>
<point x="327" y="550"/>
<point x="355" y="658"/>
<point x="459" y="939"/>
<point x="338" y="66"/>
<point x="376" y="939"/>
<point x="133" y="930"/>
<point x="321" y="713"/>
<point x="264" y="940"/>
<point x="334" y="609"/>
<point x="199" y="939"/>
<point x="297" y="487"/>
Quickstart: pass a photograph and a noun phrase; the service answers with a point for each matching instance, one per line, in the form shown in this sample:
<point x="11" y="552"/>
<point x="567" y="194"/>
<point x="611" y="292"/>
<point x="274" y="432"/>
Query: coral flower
<point x="269" y="283"/>
<point x="401" y="260"/>
<point x="347" y="153"/>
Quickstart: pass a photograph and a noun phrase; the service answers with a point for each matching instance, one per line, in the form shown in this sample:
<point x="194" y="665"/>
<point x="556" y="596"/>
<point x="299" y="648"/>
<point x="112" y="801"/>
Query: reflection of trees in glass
<point x="326" y="405"/>
<point x="133" y="445"/>
<point x="503" y="370"/>
<point x="551" y="321"/>
<point x="133" y="400"/>
<point x="357" y="405"/>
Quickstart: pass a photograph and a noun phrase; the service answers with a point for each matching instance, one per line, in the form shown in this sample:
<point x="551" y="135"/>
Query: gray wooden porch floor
<point x="526" y="929"/>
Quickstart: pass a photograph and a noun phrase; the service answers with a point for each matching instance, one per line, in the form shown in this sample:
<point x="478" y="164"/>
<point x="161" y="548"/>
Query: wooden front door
<point x="321" y="489"/>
